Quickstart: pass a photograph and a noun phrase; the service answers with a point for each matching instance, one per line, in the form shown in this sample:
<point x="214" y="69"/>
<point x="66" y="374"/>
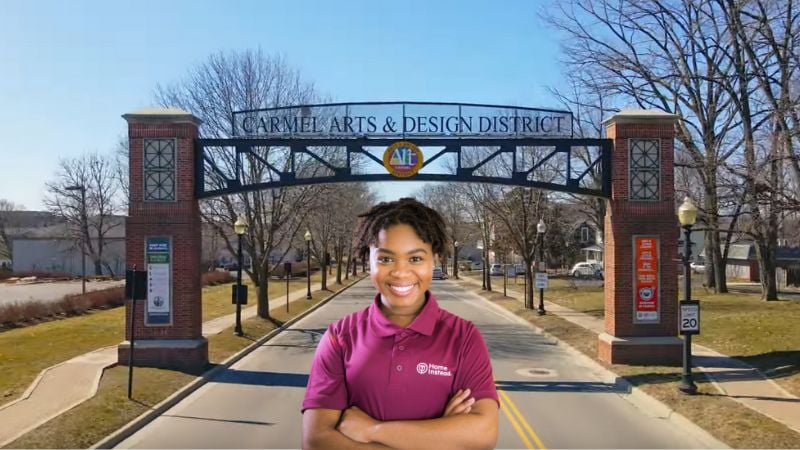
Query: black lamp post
<point x="82" y="188"/>
<point x="455" y="260"/>
<point x="240" y="227"/>
<point x="307" y="237"/>
<point x="687" y="213"/>
<point x="479" y="246"/>
<point x="540" y="229"/>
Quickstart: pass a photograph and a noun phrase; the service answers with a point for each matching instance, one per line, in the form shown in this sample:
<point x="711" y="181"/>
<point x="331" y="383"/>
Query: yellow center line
<point x="504" y="406"/>
<point x="514" y="410"/>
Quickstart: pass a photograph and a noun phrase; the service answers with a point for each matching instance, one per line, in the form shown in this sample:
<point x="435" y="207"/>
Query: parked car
<point x="496" y="270"/>
<point x="438" y="274"/>
<point x="697" y="267"/>
<point x="586" y="270"/>
<point x="519" y="269"/>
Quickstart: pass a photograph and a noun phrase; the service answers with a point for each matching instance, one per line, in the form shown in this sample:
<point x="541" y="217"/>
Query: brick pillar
<point x="641" y="208"/>
<point x="163" y="214"/>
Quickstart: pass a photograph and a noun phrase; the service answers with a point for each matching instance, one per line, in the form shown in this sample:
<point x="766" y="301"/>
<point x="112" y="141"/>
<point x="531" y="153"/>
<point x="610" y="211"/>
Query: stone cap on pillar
<point x="168" y="115"/>
<point x="641" y="116"/>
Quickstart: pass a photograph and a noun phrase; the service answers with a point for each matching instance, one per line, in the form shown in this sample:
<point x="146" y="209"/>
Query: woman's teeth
<point x="401" y="290"/>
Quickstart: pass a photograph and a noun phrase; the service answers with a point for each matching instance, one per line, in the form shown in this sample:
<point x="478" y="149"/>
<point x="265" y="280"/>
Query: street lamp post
<point x="687" y="213"/>
<point x="307" y="237"/>
<point x="240" y="227"/>
<point x="455" y="260"/>
<point x="479" y="246"/>
<point x="540" y="229"/>
<point x="82" y="188"/>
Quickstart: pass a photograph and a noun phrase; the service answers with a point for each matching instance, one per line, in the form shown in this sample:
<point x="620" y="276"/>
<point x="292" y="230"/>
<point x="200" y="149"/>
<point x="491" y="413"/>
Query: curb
<point x="635" y="396"/>
<point x="138" y="423"/>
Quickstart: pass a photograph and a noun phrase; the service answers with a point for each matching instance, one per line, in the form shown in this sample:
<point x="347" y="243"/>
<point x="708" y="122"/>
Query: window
<point x="584" y="234"/>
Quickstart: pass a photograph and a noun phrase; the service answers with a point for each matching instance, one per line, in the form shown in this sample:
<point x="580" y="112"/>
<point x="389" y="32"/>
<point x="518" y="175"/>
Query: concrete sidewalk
<point x="60" y="388"/>
<point x="732" y="378"/>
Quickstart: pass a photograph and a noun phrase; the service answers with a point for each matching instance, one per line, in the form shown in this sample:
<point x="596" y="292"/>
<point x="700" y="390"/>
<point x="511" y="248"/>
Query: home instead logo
<point x="433" y="369"/>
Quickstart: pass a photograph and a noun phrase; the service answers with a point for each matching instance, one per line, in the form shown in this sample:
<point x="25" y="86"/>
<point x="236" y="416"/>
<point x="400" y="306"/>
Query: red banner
<point x="646" y="277"/>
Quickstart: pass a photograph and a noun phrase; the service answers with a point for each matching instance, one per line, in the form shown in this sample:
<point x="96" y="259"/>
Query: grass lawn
<point x="110" y="408"/>
<point x="762" y="334"/>
<point x="727" y="420"/>
<point x="24" y="352"/>
<point x="217" y="299"/>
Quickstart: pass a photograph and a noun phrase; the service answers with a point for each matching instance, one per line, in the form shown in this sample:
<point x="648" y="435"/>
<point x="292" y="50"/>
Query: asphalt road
<point x="551" y="398"/>
<point x="48" y="292"/>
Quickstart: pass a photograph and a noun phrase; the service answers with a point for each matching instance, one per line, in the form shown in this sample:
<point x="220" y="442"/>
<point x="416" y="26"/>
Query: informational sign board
<point x="690" y="317"/>
<point x="541" y="280"/>
<point x="646" y="276"/>
<point x="158" y="255"/>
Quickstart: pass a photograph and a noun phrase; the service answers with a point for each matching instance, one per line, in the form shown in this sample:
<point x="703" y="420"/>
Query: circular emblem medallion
<point x="646" y="293"/>
<point x="422" y="368"/>
<point x="403" y="159"/>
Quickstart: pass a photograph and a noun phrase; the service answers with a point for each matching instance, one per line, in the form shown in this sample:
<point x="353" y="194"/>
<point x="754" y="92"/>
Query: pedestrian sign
<point x="541" y="280"/>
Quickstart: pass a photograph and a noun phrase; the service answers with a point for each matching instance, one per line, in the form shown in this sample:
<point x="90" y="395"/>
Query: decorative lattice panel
<point x="645" y="169"/>
<point x="159" y="170"/>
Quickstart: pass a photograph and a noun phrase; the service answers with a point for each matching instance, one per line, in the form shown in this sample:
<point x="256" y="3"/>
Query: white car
<point x="586" y="270"/>
<point x="697" y="267"/>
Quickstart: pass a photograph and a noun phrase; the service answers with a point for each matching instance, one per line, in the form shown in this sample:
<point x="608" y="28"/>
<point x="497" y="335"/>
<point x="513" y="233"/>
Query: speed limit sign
<point x="690" y="317"/>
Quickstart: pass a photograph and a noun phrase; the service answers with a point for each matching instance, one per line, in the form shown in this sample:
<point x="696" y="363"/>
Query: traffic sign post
<point x="690" y="317"/>
<point x="287" y="270"/>
<point x="135" y="289"/>
<point x="541" y="280"/>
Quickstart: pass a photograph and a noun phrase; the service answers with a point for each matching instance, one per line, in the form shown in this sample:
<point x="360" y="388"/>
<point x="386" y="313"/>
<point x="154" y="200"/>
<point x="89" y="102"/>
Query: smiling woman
<point x="402" y="373"/>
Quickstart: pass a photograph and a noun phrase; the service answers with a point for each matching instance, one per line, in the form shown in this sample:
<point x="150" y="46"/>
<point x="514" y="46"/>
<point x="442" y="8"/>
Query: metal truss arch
<point x="578" y="166"/>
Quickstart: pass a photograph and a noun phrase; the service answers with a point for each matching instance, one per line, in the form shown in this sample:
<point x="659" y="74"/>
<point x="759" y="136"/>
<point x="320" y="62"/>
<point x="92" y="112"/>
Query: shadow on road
<point x="561" y="386"/>
<point x="245" y="422"/>
<point x="510" y="341"/>
<point x="262" y="378"/>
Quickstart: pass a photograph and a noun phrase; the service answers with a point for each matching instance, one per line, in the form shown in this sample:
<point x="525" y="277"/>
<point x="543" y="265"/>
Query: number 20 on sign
<point x="690" y="317"/>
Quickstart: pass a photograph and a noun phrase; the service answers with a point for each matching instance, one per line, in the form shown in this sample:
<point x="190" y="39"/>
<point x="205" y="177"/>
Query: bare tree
<point x="763" y="45"/>
<point x="661" y="54"/>
<point x="213" y="90"/>
<point x="320" y="221"/>
<point x="92" y="219"/>
<point x="519" y="210"/>
<point x="352" y="200"/>
<point x="121" y="157"/>
<point x="6" y="246"/>
<point x="590" y="105"/>
<point x="442" y="197"/>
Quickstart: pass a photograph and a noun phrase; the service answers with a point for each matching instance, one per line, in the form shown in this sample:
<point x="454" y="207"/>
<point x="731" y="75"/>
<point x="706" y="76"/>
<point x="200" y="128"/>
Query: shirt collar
<point x="423" y="323"/>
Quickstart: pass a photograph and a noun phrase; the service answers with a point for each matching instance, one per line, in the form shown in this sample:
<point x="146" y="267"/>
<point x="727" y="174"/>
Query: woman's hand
<point x="460" y="403"/>
<point x="356" y="424"/>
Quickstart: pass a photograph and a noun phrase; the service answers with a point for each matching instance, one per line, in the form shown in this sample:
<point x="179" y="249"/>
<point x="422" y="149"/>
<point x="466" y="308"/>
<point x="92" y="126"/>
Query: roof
<point x="747" y="251"/>
<point x="174" y="115"/>
<point x="45" y="225"/>
<point x="641" y="115"/>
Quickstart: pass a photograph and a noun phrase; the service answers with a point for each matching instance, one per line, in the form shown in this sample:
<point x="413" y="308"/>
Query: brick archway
<point x="163" y="230"/>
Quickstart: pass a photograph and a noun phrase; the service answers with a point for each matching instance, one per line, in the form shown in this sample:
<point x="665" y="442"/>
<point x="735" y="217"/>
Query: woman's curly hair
<point x="425" y="221"/>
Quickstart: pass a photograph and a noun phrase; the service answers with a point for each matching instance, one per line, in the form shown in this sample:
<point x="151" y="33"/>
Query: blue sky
<point x="70" y="69"/>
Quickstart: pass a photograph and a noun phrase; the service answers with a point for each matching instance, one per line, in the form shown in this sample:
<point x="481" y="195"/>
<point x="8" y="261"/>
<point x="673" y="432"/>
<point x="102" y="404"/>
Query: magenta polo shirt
<point x="395" y="373"/>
